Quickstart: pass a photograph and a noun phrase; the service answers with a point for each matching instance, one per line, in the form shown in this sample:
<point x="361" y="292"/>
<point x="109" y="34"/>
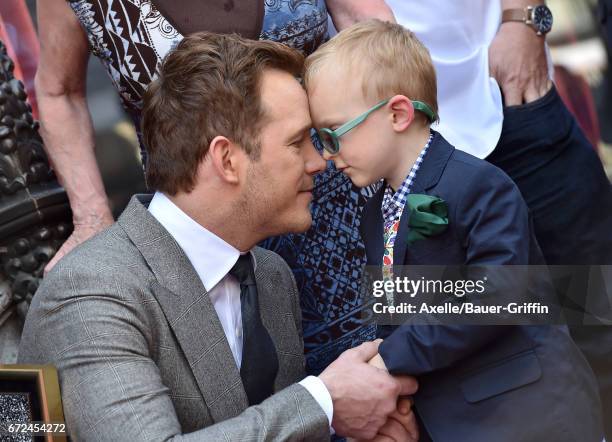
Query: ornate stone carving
<point x="22" y="159"/>
<point x="25" y="258"/>
<point x="35" y="216"/>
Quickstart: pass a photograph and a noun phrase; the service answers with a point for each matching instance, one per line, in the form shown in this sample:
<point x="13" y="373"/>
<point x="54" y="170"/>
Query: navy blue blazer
<point x="483" y="383"/>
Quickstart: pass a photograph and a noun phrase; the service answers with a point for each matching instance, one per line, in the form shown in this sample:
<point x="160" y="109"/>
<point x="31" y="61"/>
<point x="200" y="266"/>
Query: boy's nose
<point x="328" y="156"/>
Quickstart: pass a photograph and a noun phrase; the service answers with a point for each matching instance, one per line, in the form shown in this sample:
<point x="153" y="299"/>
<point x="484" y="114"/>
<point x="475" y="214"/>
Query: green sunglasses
<point x="331" y="138"/>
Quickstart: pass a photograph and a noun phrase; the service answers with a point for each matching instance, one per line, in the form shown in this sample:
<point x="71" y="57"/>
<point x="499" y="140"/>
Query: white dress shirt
<point x="212" y="258"/>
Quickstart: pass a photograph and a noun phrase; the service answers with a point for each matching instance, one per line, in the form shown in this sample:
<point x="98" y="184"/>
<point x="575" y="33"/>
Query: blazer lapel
<point x="189" y="312"/>
<point x="427" y="177"/>
<point x="372" y="228"/>
<point x="276" y="315"/>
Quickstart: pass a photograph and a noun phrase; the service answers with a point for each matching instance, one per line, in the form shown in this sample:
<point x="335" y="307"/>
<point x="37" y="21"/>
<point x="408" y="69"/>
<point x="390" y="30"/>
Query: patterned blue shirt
<point x="393" y="203"/>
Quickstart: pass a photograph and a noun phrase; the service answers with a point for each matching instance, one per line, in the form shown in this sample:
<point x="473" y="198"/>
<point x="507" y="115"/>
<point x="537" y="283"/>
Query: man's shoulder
<point x="102" y="261"/>
<point x="111" y="247"/>
<point x="103" y="277"/>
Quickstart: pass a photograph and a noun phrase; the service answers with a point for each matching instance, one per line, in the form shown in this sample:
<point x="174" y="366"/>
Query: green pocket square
<point x="428" y="216"/>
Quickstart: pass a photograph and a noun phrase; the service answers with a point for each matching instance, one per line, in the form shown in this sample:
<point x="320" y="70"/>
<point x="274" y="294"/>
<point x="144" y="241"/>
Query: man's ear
<point x="401" y="112"/>
<point x="225" y="158"/>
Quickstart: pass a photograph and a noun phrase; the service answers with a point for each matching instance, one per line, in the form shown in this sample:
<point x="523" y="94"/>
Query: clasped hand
<point x="369" y="403"/>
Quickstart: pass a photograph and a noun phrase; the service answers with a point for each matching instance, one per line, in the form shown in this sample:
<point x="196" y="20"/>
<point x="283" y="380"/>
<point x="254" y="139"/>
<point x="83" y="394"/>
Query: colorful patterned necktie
<point x="390" y="234"/>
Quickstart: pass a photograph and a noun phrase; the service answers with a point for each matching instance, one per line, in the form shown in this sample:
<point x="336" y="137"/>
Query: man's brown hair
<point x="208" y="86"/>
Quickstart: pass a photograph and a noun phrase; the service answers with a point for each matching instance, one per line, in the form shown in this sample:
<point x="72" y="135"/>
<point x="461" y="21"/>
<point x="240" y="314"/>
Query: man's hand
<point x="517" y="60"/>
<point x="363" y="396"/>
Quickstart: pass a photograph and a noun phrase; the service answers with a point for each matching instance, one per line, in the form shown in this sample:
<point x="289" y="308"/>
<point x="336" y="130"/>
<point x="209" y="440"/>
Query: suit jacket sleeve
<point x="492" y="222"/>
<point x="111" y="387"/>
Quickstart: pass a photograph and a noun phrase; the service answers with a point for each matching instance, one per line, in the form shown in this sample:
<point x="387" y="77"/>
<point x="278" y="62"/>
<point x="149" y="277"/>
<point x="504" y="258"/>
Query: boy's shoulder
<point x="465" y="169"/>
<point x="470" y="164"/>
<point x="463" y="179"/>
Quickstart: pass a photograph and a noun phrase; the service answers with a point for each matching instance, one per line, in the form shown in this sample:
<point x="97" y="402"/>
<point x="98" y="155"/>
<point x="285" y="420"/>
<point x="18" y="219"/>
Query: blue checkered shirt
<point x="393" y="203"/>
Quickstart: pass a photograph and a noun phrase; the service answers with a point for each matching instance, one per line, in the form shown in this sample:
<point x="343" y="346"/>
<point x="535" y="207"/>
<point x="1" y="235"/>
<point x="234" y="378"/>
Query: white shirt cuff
<point x="319" y="392"/>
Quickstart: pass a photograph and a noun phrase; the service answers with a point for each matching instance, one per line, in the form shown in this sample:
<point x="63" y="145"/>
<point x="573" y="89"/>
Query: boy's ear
<point x="401" y="112"/>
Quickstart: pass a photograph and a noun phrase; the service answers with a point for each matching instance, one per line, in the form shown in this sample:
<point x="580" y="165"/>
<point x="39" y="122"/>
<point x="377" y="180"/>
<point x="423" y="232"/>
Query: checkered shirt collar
<point x="393" y="203"/>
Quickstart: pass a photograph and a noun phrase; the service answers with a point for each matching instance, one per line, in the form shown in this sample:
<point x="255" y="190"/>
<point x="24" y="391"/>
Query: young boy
<point x="372" y="92"/>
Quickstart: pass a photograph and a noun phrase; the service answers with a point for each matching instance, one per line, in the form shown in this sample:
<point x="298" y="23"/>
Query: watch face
<point x="542" y="19"/>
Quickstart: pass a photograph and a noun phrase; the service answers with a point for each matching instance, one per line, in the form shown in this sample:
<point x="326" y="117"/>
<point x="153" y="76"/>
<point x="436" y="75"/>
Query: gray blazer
<point x="141" y="353"/>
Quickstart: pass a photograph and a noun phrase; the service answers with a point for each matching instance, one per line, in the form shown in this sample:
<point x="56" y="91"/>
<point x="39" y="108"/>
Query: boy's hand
<point x="401" y="426"/>
<point x="363" y="396"/>
<point x="378" y="362"/>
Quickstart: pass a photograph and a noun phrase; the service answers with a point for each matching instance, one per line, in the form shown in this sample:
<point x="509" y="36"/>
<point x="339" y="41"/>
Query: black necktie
<point x="259" y="359"/>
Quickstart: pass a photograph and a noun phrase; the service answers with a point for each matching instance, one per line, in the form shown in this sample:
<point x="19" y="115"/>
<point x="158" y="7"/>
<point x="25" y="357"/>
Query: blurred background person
<point x="19" y="36"/>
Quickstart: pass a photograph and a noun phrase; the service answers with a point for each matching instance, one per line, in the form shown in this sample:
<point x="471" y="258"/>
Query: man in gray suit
<point x="171" y="324"/>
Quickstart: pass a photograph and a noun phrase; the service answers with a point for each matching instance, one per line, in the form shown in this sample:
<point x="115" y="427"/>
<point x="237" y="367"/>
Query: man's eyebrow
<point x="300" y="132"/>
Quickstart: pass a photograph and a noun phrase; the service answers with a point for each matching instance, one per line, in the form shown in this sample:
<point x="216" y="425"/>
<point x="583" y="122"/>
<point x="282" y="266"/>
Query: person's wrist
<point x="532" y="15"/>
<point x="514" y="30"/>
<point x="327" y="380"/>
<point x="93" y="214"/>
<point x="520" y="27"/>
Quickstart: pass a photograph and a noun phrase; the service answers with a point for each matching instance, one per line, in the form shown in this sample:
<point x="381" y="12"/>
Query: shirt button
<point x="238" y="334"/>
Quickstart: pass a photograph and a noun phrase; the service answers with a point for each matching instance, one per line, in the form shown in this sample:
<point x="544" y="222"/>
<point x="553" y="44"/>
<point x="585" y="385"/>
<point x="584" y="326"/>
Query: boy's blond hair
<point x="388" y="57"/>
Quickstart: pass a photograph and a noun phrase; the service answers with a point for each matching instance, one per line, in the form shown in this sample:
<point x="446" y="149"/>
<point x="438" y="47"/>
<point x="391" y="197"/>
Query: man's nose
<point x="328" y="156"/>
<point x="314" y="163"/>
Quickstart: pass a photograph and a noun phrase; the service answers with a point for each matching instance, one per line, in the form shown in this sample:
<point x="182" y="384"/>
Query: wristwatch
<point x="539" y="17"/>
